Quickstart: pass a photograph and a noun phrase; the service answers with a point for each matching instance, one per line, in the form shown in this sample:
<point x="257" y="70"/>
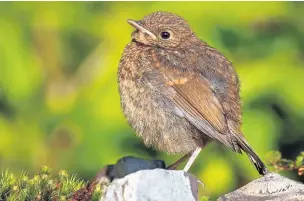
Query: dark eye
<point x="165" y="35"/>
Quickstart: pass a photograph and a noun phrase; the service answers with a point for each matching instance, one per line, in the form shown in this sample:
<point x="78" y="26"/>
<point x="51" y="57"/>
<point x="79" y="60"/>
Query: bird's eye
<point x="165" y="35"/>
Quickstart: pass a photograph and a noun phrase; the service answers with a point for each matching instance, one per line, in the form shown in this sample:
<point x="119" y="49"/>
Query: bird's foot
<point x="191" y="160"/>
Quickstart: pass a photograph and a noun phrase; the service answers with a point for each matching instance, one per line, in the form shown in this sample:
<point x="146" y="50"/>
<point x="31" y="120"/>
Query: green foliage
<point x="277" y="163"/>
<point x="43" y="186"/>
<point x="204" y="198"/>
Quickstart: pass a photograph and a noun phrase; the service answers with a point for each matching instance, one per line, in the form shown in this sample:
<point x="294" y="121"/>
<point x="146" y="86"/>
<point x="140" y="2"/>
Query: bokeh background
<point x="59" y="102"/>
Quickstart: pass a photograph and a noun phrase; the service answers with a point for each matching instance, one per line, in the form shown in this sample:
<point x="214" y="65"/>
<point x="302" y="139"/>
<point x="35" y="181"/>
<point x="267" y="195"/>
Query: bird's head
<point x="161" y="29"/>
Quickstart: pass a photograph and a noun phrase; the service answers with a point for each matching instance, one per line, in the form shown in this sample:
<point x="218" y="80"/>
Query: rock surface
<point x="272" y="187"/>
<point x="170" y="185"/>
<point x="156" y="185"/>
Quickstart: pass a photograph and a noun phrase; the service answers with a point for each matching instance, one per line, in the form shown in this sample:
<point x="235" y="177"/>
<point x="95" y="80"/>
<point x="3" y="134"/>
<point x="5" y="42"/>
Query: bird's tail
<point x="254" y="158"/>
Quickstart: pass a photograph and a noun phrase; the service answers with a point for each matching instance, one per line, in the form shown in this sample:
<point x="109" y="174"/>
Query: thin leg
<point x="177" y="163"/>
<point x="192" y="158"/>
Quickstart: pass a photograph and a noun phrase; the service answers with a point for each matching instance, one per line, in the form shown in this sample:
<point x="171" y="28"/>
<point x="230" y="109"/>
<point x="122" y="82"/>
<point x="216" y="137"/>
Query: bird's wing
<point x="194" y="97"/>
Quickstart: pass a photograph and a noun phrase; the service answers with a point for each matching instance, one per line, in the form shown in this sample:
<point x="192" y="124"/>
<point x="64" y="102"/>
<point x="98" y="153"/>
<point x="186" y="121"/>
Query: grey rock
<point x="169" y="185"/>
<point x="153" y="185"/>
<point x="272" y="187"/>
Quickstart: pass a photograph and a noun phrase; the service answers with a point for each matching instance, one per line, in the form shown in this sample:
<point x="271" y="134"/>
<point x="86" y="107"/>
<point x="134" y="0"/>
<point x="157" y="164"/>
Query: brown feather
<point x="203" y="101"/>
<point x="201" y="107"/>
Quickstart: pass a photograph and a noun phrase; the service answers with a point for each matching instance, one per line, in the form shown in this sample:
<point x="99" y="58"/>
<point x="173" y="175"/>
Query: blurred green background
<point x="59" y="102"/>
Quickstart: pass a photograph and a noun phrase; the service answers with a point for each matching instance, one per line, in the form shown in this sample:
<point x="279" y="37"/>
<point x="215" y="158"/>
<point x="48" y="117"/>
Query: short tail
<point x="254" y="158"/>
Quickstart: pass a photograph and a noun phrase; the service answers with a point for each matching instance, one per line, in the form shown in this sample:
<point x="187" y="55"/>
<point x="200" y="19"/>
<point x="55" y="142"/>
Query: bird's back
<point x="206" y="61"/>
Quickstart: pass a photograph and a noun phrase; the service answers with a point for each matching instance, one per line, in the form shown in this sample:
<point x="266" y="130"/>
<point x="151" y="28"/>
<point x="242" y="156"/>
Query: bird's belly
<point x="154" y="120"/>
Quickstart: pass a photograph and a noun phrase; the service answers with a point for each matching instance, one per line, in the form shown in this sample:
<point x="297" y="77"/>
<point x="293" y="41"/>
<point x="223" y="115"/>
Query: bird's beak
<point x="141" y="29"/>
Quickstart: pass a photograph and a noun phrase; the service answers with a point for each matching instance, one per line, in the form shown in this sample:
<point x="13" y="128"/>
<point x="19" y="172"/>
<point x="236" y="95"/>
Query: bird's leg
<point x="178" y="162"/>
<point x="192" y="158"/>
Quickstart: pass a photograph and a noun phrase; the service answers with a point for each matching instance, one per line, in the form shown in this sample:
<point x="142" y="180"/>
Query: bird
<point x="178" y="93"/>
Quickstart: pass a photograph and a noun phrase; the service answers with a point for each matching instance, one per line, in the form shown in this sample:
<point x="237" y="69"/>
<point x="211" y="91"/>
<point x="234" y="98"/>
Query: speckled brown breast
<point x="146" y="108"/>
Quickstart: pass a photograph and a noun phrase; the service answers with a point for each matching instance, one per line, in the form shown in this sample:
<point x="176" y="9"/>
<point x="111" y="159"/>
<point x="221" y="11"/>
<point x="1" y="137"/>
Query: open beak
<point x="141" y="29"/>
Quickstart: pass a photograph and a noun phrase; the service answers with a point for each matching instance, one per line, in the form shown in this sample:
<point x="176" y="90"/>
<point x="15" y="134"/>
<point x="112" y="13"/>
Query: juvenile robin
<point x="177" y="92"/>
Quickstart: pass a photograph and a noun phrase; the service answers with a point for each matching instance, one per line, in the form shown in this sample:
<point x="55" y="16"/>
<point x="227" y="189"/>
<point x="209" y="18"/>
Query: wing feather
<point x="201" y="107"/>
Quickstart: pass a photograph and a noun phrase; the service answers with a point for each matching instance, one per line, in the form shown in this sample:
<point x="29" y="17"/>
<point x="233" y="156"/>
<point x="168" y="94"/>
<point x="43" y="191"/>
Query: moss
<point x="43" y="186"/>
